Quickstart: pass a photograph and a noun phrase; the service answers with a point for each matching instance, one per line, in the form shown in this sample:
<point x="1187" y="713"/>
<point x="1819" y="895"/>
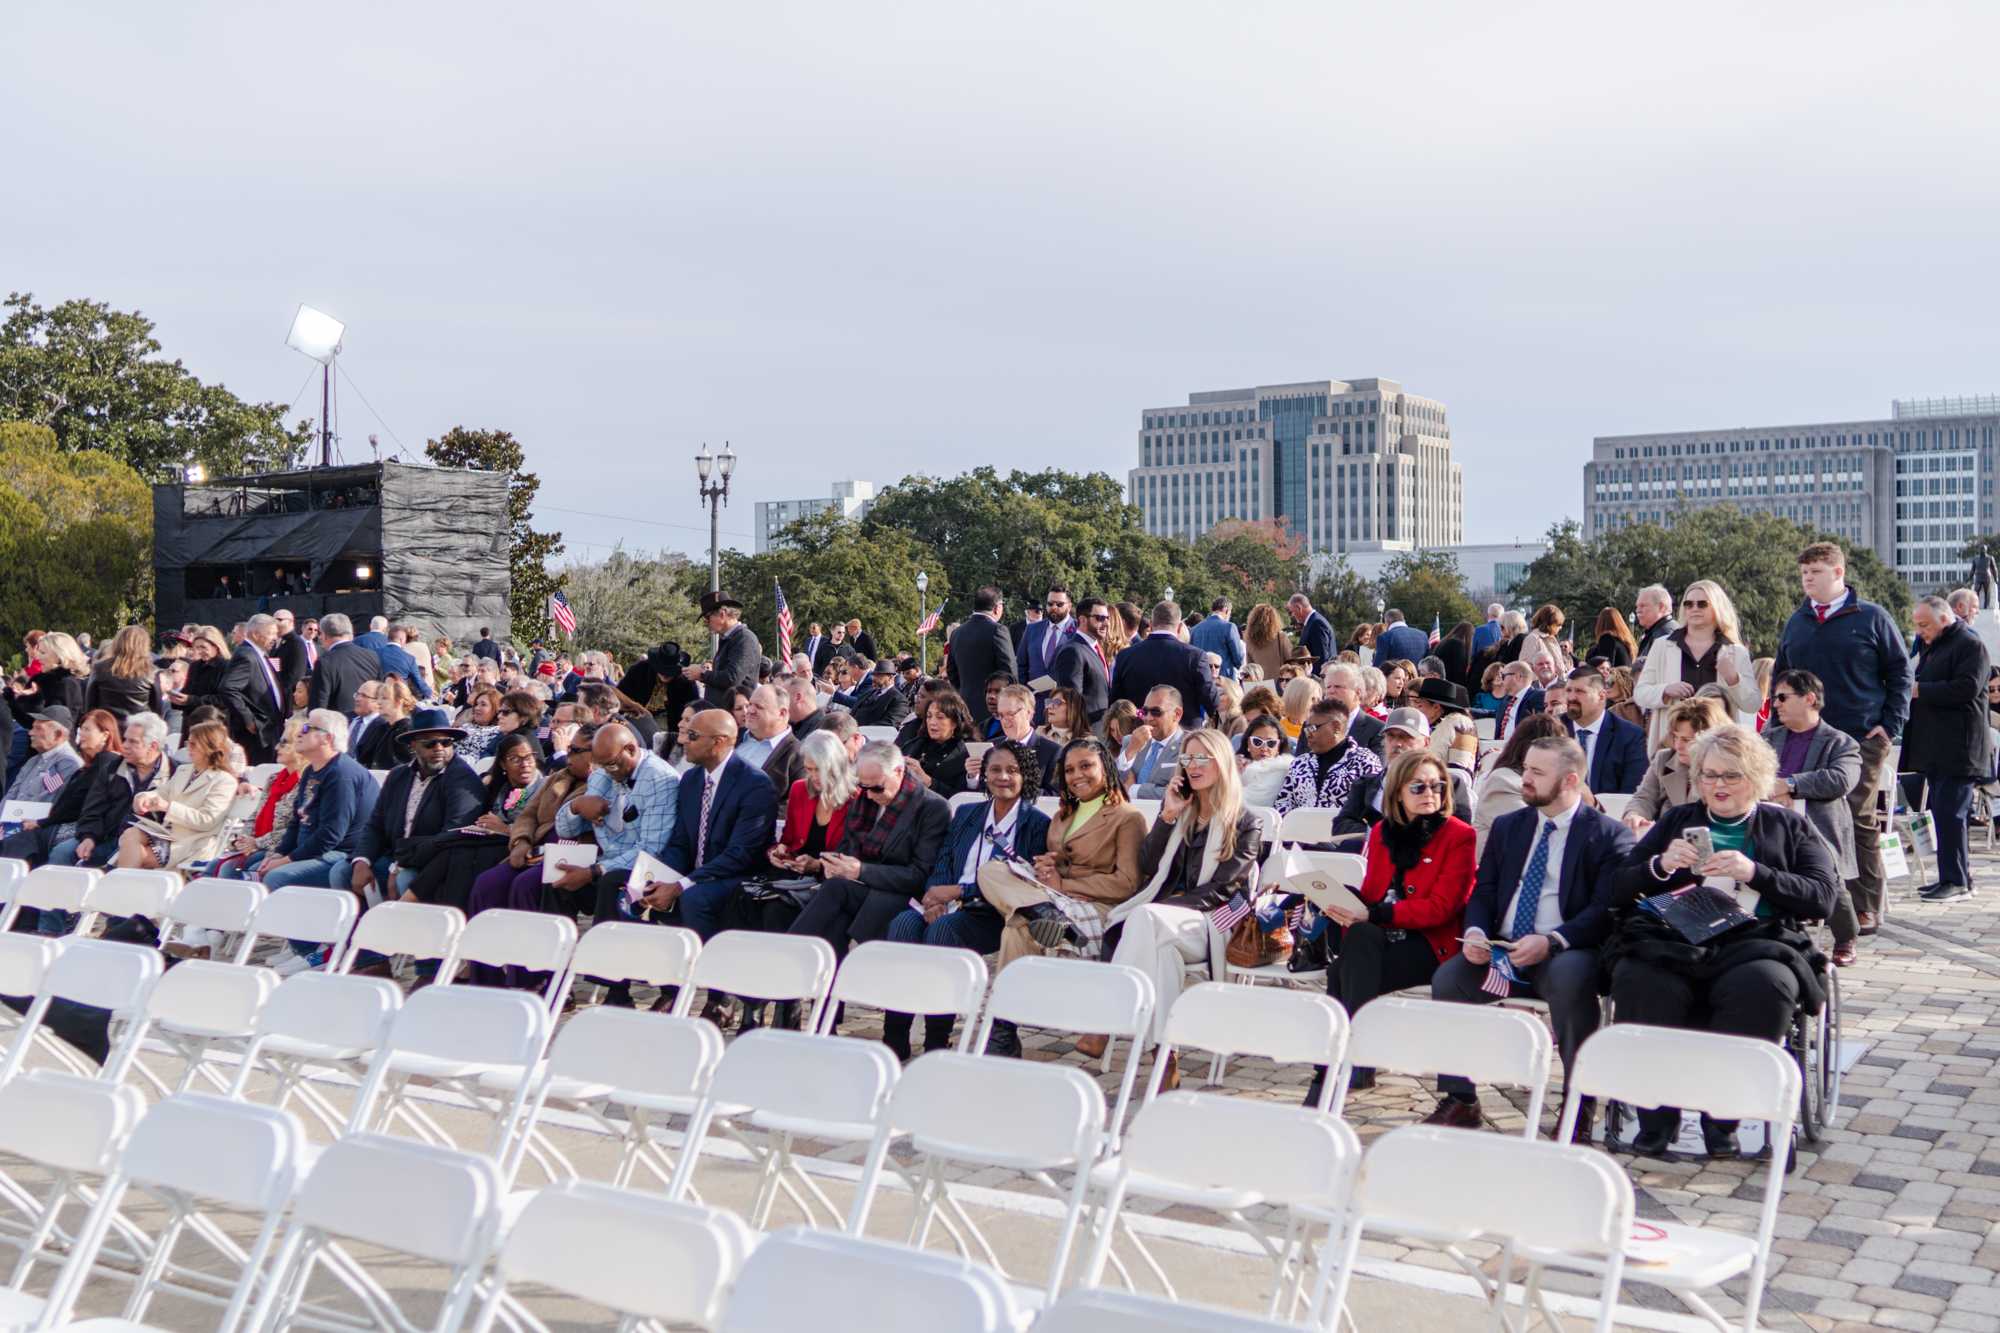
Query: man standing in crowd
<point x="737" y="652"/>
<point x="1857" y="651"/>
<point x="1654" y="610"/>
<point x="863" y="641"/>
<point x="980" y="648"/>
<point x="834" y="643"/>
<point x="814" y="638"/>
<point x="1343" y="682"/>
<point x="295" y="656"/>
<point x="1614" y="750"/>
<point x="1947" y="740"/>
<point x="1489" y="633"/>
<point x="722" y="827"/>
<point x="252" y="695"/>
<point x="1079" y="664"/>
<point x="1817" y="766"/>
<point x="343" y="666"/>
<point x="1400" y="640"/>
<point x="1163" y="658"/>
<point x="1152" y="753"/>
<point x="1042" y="639"/>
<point x="1330" y="765"/>
<point x="486" y="648"/>
<point x="396" y="662"/>
<point x="1544" y="888"/>
<point x="1218" y="634"/>
<point x="1316" y="631"/>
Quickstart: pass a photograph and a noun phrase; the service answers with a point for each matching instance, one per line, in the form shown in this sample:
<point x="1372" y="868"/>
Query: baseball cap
<point x="1407" y="720"/>
<point x="58" y="714"/>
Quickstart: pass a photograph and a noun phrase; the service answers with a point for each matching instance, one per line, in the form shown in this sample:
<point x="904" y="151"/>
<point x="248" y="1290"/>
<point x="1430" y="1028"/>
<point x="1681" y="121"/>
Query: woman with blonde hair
<point x="1707" y="649"/>
<point x="1229" y="718"/>
<point x="1300" y="696"/>
<point x="1544" y="638"/>
<point x="1621" y="697"/>
<point x="1265" y="641"/>
<point x="125" y="682"/>
<point x="1201" y="852"/>
<point x="59" y="680"/>
<point x="183" y="815"/>
<point x="379" y="748"/>
<point x="1669" y="779"/>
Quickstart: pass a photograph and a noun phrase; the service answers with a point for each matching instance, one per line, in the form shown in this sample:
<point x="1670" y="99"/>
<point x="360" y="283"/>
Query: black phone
<point x="1183" y="787"/>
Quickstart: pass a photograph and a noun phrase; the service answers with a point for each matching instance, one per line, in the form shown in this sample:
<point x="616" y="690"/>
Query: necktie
<point x="1819" y="611"/>
<point x="1146" y="762"/>
<point x="271" y="679"/>
<point x="1587" y="738"/>
<point x="312" y="654"/>
<point x="1532" y="880"/>
<point x="701" y="829"/>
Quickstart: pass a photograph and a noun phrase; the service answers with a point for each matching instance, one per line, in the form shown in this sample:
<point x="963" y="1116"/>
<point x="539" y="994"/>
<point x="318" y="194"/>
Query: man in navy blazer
<point x="1400" y="640"/>
<point x="1519" y="696"/>
<point x="1316" y="634"/>
<point x="1161" y="658"/>
<point x="1616" y="748"/>
<point x="1079" y="663"/>
<point x="1553" y="933"/>
<point x="719" y="854"/>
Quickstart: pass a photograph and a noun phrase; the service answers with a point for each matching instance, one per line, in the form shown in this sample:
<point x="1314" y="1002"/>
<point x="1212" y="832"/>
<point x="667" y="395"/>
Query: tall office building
<point x="1914" y="488"/>
<point x="852" y="499"/>
<point x="1342" y="461"/>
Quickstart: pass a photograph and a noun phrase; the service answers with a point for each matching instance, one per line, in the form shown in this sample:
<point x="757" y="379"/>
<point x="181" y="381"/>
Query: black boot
<point x="896" y="1034"/>
<point x="785" y="1016"/>
<point x="1719" y="1137"/>
<point x="1657" y="1130"/>
<point x="1004" y="1040"/>
<point x="937" y="1032"/>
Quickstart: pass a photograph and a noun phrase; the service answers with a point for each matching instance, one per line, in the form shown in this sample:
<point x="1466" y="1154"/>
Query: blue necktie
<point x="1532" y="880"/>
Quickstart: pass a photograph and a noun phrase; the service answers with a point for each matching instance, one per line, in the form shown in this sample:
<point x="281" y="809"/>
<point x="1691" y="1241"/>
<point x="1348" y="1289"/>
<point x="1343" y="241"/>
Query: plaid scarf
<point x="869" y="825"/>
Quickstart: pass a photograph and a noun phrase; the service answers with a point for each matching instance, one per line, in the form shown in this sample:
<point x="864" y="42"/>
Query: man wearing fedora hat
<point x="1447" y="707"/>
<point x="422" y="801"/>
<point x="737" y="652"/>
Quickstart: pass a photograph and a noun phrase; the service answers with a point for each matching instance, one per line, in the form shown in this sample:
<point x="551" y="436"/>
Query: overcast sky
<point x="868" y="239"/>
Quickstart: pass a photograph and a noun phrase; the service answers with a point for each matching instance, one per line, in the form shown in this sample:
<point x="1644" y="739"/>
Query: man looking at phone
<point x="1541" y="900"/>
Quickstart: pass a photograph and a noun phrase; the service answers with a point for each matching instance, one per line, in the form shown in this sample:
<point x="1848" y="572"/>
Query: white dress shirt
<point x="983" y="846"/>
<point x="1548" y="913"/>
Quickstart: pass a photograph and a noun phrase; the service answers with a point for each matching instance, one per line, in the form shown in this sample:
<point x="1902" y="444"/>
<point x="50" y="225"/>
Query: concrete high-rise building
<point x="1914" y="488"/>
<point x="852" y="499"/>
<point x="1344" y="462"/>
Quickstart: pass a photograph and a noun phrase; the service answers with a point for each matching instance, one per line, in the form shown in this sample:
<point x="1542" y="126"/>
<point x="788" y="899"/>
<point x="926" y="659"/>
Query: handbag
<point x="797" y="891"/>
<point x="1250" y="945"/>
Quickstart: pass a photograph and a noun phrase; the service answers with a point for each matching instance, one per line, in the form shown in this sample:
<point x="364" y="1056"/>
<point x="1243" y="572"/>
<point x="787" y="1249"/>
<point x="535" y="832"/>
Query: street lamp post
<point x="923" y="614"/>
<point x="715" y="494"/>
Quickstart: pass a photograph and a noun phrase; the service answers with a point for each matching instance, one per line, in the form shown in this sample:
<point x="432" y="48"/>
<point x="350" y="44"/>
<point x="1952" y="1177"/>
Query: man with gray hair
<point x="887" y="852"/>
<point x="1654" y="610"/>
<point x="343" y="666"/>
<point x="253" y="697"/>
<point x="1488" y="634"/>
<point x="1946" y="738"/>
<point x="335" y="798"/>
<point x="52" y="761"/>
<point x="1343" y="681"/>
<point x="1964" y="603"/>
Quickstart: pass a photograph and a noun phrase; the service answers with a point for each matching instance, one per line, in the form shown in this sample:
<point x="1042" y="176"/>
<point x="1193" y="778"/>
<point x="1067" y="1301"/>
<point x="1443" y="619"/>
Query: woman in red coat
<point x="1419" y="876"/>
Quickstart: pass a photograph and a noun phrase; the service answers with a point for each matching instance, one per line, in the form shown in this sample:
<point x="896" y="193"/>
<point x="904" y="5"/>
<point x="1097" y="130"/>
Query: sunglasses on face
<point x="1154" y="712"/>
<point x="872" y="788"/>
<point x="1263" y="742"/>
<point x="441" y="743"/>
<point x="1197" y="760"/>
<point x="579" y="749"/>
<point x="1427" y="788"/>
<point x="1695" y="604"/>
<point x="509" y="712"/>
<point x="1782" y="696"/>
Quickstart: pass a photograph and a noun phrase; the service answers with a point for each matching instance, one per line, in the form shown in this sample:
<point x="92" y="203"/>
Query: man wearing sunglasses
<point x="1080" y="664"/>
<point x="895" y="829"/>
<point x="1151" y="756"/>
<point x="1818" y="766"/>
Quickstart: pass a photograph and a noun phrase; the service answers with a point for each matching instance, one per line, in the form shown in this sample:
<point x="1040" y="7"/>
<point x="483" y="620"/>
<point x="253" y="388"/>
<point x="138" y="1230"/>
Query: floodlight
<point x="195" y="473"/>
<point x="315" y="333"/>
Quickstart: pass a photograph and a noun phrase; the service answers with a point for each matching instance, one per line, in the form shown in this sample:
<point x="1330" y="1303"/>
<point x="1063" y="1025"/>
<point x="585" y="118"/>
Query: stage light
<point x="361" y="573"/>
<point x="196" y="473"/>
<point x="316" y="334"/>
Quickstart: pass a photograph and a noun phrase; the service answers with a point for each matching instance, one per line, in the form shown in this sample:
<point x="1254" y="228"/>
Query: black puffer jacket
<point x="1946" y="734"/>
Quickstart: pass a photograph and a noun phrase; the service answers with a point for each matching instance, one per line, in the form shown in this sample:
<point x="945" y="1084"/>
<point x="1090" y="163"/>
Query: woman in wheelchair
<point x="1749" y="978"/>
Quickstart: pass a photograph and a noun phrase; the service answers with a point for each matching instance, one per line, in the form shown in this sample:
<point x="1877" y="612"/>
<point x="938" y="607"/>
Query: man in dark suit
<point x="1162" y="658"/>
<point x="815" y="638"/>
<point x="863" y="641"/>
<point x="1015" y="712"/>
<point x="737" y="652"/>
<point x="1615" y="748"/>
<point x="252" y="694"/>
<point x="1519" y="696"/>
<point x="886" y="854"/>
<point x="884" y="704"/>
<point x="1079" y="663"/>
<point x="1543" y="889"/>
<point x="343" y="667"/>
<point x="723" y="826"/>
<point x="1401" y="640"/>
<point x="295" y="656"/>
<point x="1316" y="631"/>
<point x="833" y="641"/>
<point x="978" y="650"/>
<point x="1044" y="638"/>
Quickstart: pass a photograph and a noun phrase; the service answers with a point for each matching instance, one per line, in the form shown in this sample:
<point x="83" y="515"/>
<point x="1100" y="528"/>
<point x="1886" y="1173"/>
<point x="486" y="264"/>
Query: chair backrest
<point x="878" y="733"/>
<point x="1096" y="1310"/>
<point x="413" y="1198"/>
<point x="912" y="978"/>
<point x="567" y="1236"/>
<point x="1280" y="1024"/>
<point x="146" y="893"/>
<point x="216" y="1148"/>
<point x="1071" y="995"/>
<point x="66" y="1122"/>
<point x="24" y="961"/>
<point x="1484" y="1043"/>
<point x="843" y="1284"/>
<point x="1050" y="1114"/>
<point x="636" y="1052"/>
<point x="319" y="916"/>
<point x="1307" y="824"/>
<point x="421" y="930"/>
<point x="503" y="936"/>
<point x="1302" y="1155"/>
<point x="1613" y="803"/>
<point x="12" y="871"/>
<point x="763" y="967"/>
<point x="217" y="904"/>
<point x="1430" y="1180"/>
<point x="806" y="1076"/>
<point x="472" y="1023"/>
<point x="1048" y="805"/>
<point x="1147" y="807"/>
<point x="104" y="974"/>
<point x="211" y="999"/>
<point x="965" y="798"/>
<point x="633" y="951"/>
<point x="260" y="775"/>
<point x="337" y="1012"/>
<point x="50" y="888"/>
<point x="1731" y="1078"/>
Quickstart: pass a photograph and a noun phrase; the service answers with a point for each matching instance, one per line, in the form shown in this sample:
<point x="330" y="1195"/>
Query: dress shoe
<point x="1658" y="1129"/>
<point x="1585" y="1128"/>
<point x="1004" y="1040"/>
<point x="1719" y="1138"/>
<point x="1867" y="923"/>
<point x="1092" y="1044"/>
<point x="1944" y="893"/>
<point x="1455" y="1114"/>
<point x="1845" y="954"/>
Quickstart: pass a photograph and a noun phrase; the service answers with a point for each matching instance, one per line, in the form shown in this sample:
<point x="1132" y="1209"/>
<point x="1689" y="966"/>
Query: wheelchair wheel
<point x="1816" y="1046"/>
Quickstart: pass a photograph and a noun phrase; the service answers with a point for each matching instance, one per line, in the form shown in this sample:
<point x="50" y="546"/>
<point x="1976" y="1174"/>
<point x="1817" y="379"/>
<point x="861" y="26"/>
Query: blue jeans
<point x="321" y="872"/>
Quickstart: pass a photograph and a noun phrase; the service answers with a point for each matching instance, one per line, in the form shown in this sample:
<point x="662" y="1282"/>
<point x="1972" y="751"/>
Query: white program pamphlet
<point x="20" y="812"/>
<point x="1320" y="886"/>
<point x="648" y="870"/>
<point x="558" y="857"/>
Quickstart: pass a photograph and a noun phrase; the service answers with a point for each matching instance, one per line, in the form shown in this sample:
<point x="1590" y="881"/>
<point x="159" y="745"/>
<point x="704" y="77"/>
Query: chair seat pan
<point x="432" y="1066"/>
<point x="1692" y="1258"/>
<point x="805" y="1126"/>
<point x="1281" y="971"/>
<point x="313" y="1050"/>
<point x="973" y="1153"/>
<point x="18" y="1309"/>
<point x="1217" y="1198"/>
<point x="237" y="1032"/>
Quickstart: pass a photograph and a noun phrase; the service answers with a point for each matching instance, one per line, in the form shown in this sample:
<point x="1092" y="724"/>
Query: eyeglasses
<point x="1197" y="760"/>
<point x="435" y="743"/>
<point x="1154" y="712"/>
<point x="1695" y="604"/>
<point x="1782" y="696"/>
<point x="1423" y="788"/>
<point x="579" y="749"/>
<point x="510" y="712"/>
<point x="1712" y="778"/>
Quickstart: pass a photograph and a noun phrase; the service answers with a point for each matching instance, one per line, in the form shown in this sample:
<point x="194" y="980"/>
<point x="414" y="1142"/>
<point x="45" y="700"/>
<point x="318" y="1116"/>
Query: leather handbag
<point x="1250" y="945"/>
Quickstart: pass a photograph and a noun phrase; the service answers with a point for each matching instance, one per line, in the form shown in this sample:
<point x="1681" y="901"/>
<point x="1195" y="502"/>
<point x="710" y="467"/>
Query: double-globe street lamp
<point x="716" y="494"/>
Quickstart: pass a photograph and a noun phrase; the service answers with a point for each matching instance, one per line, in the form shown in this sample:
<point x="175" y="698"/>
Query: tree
<point x="834" y="569"/>
<point x="628" y="604"/>
<point x="1252" y="561"/>
<point x="528" y="564"/>
<point x="1344" y="597"/>
<point x="75" y="535"/>
<point x="94" y="376"/>
<point x="1428" y="589"/>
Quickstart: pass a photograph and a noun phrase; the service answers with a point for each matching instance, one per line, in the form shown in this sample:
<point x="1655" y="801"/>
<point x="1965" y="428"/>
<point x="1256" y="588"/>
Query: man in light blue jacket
<point x="1218" y="634"/>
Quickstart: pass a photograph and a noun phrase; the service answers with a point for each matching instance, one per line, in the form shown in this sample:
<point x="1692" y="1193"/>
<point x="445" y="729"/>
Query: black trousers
<point x="1753" y="999"/>
<point x="1567" y="983"/>
<point x="844" y="911"/>
<point x="1370" y="964"/>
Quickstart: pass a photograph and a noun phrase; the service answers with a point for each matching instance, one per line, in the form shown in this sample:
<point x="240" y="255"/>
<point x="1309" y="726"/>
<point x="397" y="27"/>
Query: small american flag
<point x="1500" y="977"/>
<point x="560" y="613"/>
<point x="784" y="624"/>
<point x="52" y="781"/>
<point x="1437" y="629"/>
<point x="1226" y="917"/>
<point x="931" y="621"/>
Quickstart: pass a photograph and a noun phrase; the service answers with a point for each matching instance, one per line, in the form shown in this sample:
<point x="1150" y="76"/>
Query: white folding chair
<point x="1307" y="824"/>
<point x="260" y="775"/>
<point x="762" y="966"/>
<point x="101" y="974"/>
<point x="1283" y="1026"/>
<point x="219" y="907"/>
<point x="1072" y="995"/>
<point x="189" y="1152"/>
<point x="774" y="1087"/>
<point x="314" y="1025"/>
<point x="878" y="733"/>
<point x="566" y="1238"/>
<point x="24" y="962"/>
<point x="316" y="916"/>
<point x="1146" y="807"/>
<point x="128" y="893"/>
<point x="49" y="889"/>
<point x="420" y="931"/>
<point x="801" y="1279"/>
<point x="1613" y="803"/>
<point x="1485" y="727"/>
<point x="911" y="979"/>
<point x="451" y="1037"/>
<point x="1570" y="1206"/>
<point x="1031" y="1118"/>
<point x="195" y="1010"/>
<point x="1731" y="1078"/>
<point x="533" y="941"/>
<point x="965" y="798"/>
<point x="1048" y="805"/>
<point x="1346" y="869"/>
<point x="633" y="951"/>
<point x="1088" y="1310"/>
<point x="1485" y="1043"/>
<point x="643" y="1064"/>
<point x="12" y="871"/>
<point x="1303" y="1168"/>
<point x="424" y="1202"/>
<point x="483" y="765"/>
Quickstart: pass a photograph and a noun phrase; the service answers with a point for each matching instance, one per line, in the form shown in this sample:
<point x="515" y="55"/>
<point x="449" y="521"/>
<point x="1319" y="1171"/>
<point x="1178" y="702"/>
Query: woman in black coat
<point x="60" y="681"/>
<point x="937" y="753"/>
<point x="1455" y="651"/>
<point x="126" y="682"/>
<point x="1749" y="980"/>
<point x="1946" y="738"/>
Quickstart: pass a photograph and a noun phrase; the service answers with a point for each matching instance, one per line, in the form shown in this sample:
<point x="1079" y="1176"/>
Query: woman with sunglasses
<point x="1419" y="876"/>
<point x="1706" y="650"/>
<point x="1263" y="758"/>
<point x="1068" y="716"/>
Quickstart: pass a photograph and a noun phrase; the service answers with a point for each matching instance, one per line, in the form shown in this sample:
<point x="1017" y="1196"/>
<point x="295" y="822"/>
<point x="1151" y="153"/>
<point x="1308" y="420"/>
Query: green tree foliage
<point x="627" y="604"/>
<point x="1754" y="556"/>
<point x="95" y="377"/>
<point x="76" y="534"/>
<point x="532" y="583"/>
<point x="835" y="569"/>
<point x="1344" y="598"/>
<point x="1252" y="562"/>
<point x="1427" y="588"/>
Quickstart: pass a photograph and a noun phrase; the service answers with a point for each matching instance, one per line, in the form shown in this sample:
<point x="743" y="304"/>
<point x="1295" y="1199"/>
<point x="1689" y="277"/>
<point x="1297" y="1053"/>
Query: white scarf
<point x="1210" y="854"/>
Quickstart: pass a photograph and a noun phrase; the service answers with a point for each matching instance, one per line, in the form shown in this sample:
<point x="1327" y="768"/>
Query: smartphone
<point x="1183" y="788"/>
<point x="1704" y="843"/>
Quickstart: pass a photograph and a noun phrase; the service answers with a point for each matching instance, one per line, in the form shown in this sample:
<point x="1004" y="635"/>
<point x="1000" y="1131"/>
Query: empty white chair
<point x="760" y="966"/>
<point x="878" y="733"/>
<point x="189" y="1152"/>
<point x="965" y="798"/>
<point x="911" y="979"/>
<point x="1485" y="727"/>
<point x="1086" y="1310"/>
<point x="451" y="1037"/>
<point x="568" y="1238"/>
<point x="428" y="1203"/>
<point x="1307" y="824"/>
<point x="209" y="909"/>
<point x="127" y="893"/>
<point x="1071" y="995"/>
<point x="12" y="871"/>
<point x="317" y="916"/>
<point x="1614" y="803"/>
<point x="24" y="961"/>
<point x="315" y="1024"/>
<point x="1147" y="807"/>
<point x="644" y="1064"/>
<point x="1486" y="1044"/>
<point x="800" y="1279"/>
<point x="774" y="1087"/>
<point x="533" y="941"/>
<point x="196" y="1010"/>
<point x="49" y="889"/>
<point x="483" y="765"/>
<point x="1033" y="1118"/>
<point x="423" y="931"/>
<point x="632" y="951"/>
<point x="1731" y="1078"/>
<point x="1283" y="1026"/>
<point x="1571" y="1206"/>
<point x="102" y="974"/>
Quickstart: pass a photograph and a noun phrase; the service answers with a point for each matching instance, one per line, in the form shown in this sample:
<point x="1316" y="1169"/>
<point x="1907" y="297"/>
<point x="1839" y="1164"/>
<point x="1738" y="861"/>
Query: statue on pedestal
<point x="1985" y="580"/>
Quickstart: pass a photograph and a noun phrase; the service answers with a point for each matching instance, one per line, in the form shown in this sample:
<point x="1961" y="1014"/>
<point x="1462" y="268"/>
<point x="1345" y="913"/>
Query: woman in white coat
<point x="1706" y="650"/>
<point x="192" y="806"/>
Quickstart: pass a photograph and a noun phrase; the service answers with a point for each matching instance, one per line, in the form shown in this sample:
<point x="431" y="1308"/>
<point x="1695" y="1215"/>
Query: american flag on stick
<point x="1437" y="628"/>
<point x="931" y="620"/>
<point x="1500" y="977"/>
<point x="560" y="613"/>
<point x="785" y="625"/>
<point x="1230" y="914"/>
